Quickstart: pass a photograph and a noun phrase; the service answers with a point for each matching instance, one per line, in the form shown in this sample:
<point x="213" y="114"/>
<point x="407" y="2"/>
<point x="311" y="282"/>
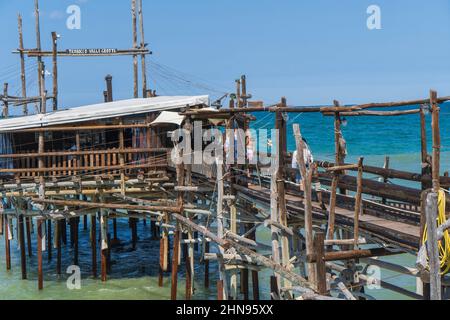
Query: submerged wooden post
<point x="76" y="223"/>
<point x="39" y="253"/>
<point x="58" y="227"/>
<point x="7" y="243"/>
<point x="104" y="244"/>
<point x="220" y="290"/>
<point x="175" y="256"/>
<point x="163" y="252"/>
<point x="28" y="230"/>
<point x="94" y="244"/>
<point x="23" y="256"/>
<point x="49" y="240"/>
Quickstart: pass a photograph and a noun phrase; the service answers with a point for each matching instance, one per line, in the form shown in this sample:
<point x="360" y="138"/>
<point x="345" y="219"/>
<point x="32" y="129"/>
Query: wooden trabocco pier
<point x="95" y="164"/>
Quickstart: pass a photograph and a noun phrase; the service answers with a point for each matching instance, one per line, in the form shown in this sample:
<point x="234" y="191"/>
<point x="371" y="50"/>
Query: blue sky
<point x="309" y="51"/>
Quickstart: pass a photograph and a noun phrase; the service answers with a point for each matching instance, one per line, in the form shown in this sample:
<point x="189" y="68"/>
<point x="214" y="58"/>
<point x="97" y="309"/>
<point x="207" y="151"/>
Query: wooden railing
<point x="88" y="162"/>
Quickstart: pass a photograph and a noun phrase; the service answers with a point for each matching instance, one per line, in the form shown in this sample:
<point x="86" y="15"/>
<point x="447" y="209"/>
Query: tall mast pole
<point x="55" y="70"/>
<point x="135" y="58"/>
<point x="22" y="64"/>
<point x="38" y="43"/>
<point x="143" y="63"/>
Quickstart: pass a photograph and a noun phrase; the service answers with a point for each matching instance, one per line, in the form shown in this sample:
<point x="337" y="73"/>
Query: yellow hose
<point x="444" y="244"/>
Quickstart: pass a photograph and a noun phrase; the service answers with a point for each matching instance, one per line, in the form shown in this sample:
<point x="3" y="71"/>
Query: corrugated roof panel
<point x="102" y="111"/>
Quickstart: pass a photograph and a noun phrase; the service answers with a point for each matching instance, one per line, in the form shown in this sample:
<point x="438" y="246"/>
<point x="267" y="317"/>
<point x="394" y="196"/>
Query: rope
<point x="444" y="244"/>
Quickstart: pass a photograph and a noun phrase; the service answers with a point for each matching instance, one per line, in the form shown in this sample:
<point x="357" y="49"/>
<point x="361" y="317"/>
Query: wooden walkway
<point x="374" y="226"/>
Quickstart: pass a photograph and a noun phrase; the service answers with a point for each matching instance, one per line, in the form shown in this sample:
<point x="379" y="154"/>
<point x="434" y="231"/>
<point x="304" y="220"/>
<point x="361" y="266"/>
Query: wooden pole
<point x="436" y="140"/>
<point x="58" y="231"/>
<point x="5" y="101"/>
<point x="39" y="253"/>
<point x="162" y="263"/>
<point x="104" y="243"/>
<point x="274" y="218"/>
<point x="274" y="288"/>
<point x="280" y="174"/>
<point x="307" y="177"/>
<point x="135" y="58"/>
<point x="176" y="247"/>
<point x="220" y="228"/>
<point x="22" y="65"/>
<point x="55" y="70"/>
<point x="38" y="48"/>
<point x="94" y="244"/>
<point x="358" y="202"/>
<point x="76" y="227"/>
<point x="319" y="249"/>
<point x="385" y="179"/>
<point x="431" y="210"/>
<point x="49" y="240"/>
<point x="23" y="256"/>
<point x="206" y="262"/>
<point x="255" y="279"/>
<point x="338" y="139"/>
<point x="7" y="243"/>
<point x="190" y="268"/>
<point x="220" y="290"/>
<point x="143" y="44"/>
<point x="28" y="230"/>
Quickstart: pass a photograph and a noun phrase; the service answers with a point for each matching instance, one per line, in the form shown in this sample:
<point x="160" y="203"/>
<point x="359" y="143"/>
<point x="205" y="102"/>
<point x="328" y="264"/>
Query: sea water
<point x="134" y="273"/>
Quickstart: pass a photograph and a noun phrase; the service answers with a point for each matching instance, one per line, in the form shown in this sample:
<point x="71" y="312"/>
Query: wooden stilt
<point x="280" y="125"/>
<point x="307" y="177"/>
<point x="274" y="289"/>
<point x="23" y="256"/>
<point x="220" y="229"/>
<point x="104" y="245"/>
<point x="220" y="290"/>
<point x="64" y="231"/>
<point x="7" y="243"/>
<point x="39" y="253"/>
<point x="76" y="223"/>
<point x="358" y="202"/>
<point x="161" y="262"/>
<point x="29" y="226"/>
<point x="175" y="253"/>
<point x="94" y="244"/>
<point x="58" y="235"/>
<point x="49" y="240"/>
<point x="206" y="262"/>
<point x="319" y="239"/>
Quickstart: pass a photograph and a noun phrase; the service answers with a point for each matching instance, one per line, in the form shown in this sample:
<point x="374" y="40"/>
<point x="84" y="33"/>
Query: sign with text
<point x="92" y="51"/>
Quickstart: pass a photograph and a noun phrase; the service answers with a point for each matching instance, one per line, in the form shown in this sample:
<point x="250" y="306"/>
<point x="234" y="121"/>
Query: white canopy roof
<point x="168" y="117"/>
<point x="102" y="111"/>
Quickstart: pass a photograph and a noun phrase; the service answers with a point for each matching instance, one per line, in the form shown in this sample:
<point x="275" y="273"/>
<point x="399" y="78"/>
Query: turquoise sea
<point x="134" y="273"/>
